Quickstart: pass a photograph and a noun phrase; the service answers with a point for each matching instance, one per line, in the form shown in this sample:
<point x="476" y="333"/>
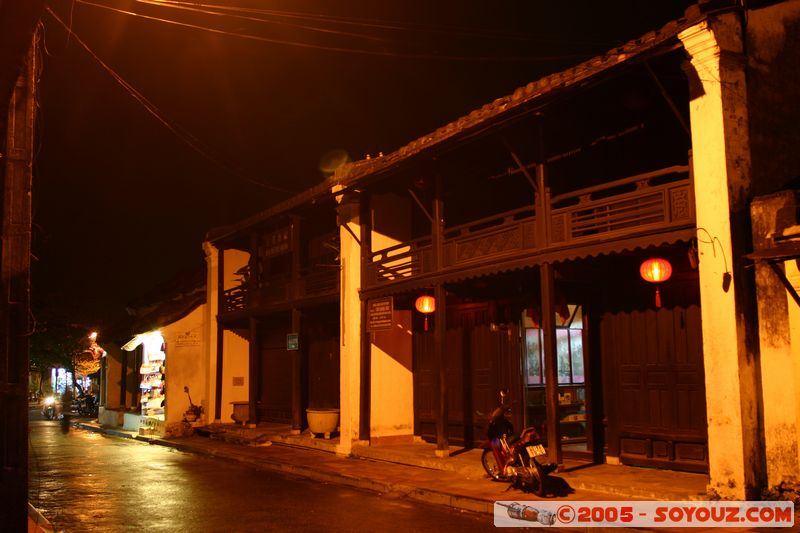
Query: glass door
<point x="572" y="397"/>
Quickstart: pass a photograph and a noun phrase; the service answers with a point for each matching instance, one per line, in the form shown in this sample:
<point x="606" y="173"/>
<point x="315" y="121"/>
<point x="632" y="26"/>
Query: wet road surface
<point x="85" y="481"/>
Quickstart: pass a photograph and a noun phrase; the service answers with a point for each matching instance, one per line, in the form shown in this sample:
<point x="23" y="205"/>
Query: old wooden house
<point x="582" y="239"/>
<point x="274" y="291"/>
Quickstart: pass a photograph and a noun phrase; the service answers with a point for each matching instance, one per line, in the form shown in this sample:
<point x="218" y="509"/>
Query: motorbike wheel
<point x="489" y="463"/>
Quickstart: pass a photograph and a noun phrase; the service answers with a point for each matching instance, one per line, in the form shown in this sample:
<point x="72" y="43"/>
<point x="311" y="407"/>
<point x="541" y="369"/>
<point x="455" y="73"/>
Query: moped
<point x="51" y="408"/>
<point x="507" y="457"/>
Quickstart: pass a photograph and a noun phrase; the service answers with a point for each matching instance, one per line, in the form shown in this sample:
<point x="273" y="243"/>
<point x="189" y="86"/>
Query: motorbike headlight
<point x="50" y="400"/>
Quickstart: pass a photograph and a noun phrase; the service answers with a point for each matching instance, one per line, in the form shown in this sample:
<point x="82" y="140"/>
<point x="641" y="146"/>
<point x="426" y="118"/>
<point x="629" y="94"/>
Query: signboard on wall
<point x="292" y="341"/>
<point x="380" y="313"/>
<point x="188" y="339"/>
<point x="276" y="243"/>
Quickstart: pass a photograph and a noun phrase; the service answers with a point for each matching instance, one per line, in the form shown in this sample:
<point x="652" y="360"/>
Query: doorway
<point x="655" y="387"/>
<point x="575" y="421"/>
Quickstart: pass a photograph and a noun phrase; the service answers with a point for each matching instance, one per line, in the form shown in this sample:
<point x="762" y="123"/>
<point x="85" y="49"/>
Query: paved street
<point x="85" y="481"/>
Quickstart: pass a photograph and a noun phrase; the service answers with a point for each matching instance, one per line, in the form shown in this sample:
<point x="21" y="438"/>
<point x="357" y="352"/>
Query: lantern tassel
<point x="658" y="298"/>
<point x="426" y="322"/>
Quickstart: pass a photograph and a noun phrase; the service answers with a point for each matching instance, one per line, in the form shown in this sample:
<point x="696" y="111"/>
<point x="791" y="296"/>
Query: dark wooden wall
<point x="655" y="387"/>
<point x="480" y="361"/>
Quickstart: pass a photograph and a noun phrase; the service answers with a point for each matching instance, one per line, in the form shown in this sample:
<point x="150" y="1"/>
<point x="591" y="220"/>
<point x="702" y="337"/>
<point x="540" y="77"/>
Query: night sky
<point x="122" y="201"/>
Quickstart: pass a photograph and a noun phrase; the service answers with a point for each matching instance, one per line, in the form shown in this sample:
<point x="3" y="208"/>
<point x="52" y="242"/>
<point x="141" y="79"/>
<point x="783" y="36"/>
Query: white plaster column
<point x="721" y="170"/>
<point x="349" y="325"/>
<point x="779" y="365"/>
<point x="210" y="327"/>
<point x="793" y="275"/>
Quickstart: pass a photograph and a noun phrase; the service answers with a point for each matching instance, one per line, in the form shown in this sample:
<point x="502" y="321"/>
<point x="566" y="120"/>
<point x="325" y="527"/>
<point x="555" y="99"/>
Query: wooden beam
<point x="524" y="170"/>
<point x="786" y="283"/>
<point x="365" y="223"/>
<point x="440" y="325"/>
<point x="547" y="282"/>
<point x="439" y="340"/>
<point x="421" y="205"/>
<point x="123" y="384"/>
<point x="297" y="375"/>
<point x="220" y="333"/>
<point x="668" y="99"/>
<point x="253" y="377"/>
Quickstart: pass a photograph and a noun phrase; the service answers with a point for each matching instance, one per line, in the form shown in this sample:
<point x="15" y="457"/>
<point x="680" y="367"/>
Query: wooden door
<point x="655" y="387"/>
<point x="275" y="384"/>
<point x="323" y="370"/>
<point x="479" y="363"/>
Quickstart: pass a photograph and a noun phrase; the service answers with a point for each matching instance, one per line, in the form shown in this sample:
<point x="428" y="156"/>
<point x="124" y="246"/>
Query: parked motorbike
<point x="85" y="405"/>
<point x="507" y="457"/>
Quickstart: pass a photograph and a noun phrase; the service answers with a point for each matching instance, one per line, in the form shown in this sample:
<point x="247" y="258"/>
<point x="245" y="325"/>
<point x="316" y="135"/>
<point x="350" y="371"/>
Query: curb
<point x="430" y="496"/>
<point x="37" y="523"/>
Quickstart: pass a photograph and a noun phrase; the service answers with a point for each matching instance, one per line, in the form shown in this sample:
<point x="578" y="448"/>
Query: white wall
<point x="392" y="381"/>
<point x="186" y="365"/>
<point x="235" y="348"/>
<point x="234" y="365"/>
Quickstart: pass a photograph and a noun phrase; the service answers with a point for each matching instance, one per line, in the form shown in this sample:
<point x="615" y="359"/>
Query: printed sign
<point x="380" y="314"/>
<point x="292" y="341"/>
<point x="644" y="514"/>
<point x="188" y="339"/>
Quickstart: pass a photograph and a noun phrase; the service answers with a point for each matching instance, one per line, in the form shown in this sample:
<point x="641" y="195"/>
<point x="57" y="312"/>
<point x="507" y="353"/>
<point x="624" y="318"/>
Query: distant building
<point x="166" y="351"/>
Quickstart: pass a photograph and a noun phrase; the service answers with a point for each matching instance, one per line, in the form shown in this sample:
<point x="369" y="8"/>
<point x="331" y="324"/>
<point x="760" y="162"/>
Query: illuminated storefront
<point x="150" y="350"/>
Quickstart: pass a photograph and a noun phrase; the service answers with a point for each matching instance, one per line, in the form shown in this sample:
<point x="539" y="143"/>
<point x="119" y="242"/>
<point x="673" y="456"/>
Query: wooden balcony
<point x="655" y="201"/>
<point x="279" y="291"/>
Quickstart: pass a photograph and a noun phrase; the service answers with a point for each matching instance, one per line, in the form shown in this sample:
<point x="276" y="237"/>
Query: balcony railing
<point x="660" y="199"/>
<point x="314" y="282"/>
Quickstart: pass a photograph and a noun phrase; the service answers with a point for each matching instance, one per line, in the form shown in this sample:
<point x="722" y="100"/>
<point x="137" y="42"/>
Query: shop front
<point x="154" y="379"/>
<point x="149" y="350"/>
<point x="629" y="380"/>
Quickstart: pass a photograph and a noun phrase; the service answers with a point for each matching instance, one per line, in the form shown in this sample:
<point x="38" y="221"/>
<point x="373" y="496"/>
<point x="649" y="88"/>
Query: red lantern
<point x="426" y="304"/>
<point x="656" y="270"/>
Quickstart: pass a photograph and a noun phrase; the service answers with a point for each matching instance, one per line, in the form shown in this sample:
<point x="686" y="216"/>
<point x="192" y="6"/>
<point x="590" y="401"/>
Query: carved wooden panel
<point x="488" y="245"/>
<point x="558" y="230"/>
<point x="680" y="203"/>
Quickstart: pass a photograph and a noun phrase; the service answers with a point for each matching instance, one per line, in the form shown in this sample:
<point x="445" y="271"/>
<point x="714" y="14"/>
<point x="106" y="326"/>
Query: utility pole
<point x="16" y="159"/>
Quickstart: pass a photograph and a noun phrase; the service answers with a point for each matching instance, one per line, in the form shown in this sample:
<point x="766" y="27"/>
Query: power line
<point x="352" y="21"/>
<point x="358" y="51"/>
<point x="209" y="10"/>
<point x="180" y="132"/>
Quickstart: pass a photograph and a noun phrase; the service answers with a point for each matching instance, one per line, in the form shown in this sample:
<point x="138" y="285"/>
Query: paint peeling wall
<point x="773" y="79"/>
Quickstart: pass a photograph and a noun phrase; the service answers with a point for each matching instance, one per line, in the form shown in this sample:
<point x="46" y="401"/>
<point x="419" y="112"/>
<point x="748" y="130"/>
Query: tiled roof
<point x="350" y="174"/>
<point x="523" y="96"/>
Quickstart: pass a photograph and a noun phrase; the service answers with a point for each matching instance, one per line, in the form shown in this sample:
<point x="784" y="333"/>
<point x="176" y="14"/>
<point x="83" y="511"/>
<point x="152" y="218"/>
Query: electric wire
<point x="351" y="21"/>
<point x="180" y="132"/>
<point x="340" y="49"/>
<point x="209" y="10"/>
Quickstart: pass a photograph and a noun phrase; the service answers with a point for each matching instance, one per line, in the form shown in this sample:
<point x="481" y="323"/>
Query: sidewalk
<point x="413" y="470"/>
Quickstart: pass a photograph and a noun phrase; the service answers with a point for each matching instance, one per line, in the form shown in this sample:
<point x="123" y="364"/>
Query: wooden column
<point x="547" y="283"/>
<point x="123" y="382"/>
<point x="297" y="364"/>
<point x="16" y="179"/>
<point x="440" y="322"/>
<point x="220" y="334"/>
<point x="297" y="375"/>
<point x="365" y="219"/>
<point x="254" y="355"/>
